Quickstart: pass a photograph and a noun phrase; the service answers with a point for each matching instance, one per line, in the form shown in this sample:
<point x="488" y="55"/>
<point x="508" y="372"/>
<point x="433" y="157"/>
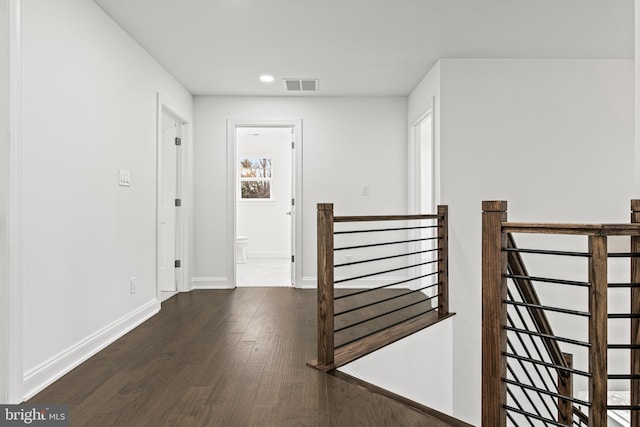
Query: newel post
<point x="443" y="259"/>
<point x="635" y="323"/>
<point x="598" y="330"/>
<point x="325" y="284"/>
<point x="494" y="313"/>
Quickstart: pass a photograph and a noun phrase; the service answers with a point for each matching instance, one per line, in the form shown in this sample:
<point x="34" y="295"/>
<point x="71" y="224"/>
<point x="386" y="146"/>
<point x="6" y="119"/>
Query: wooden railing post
<point x="494" y="313"/>
<point x="443" y="259"/>
<point x="565" y="388"/>
<point x="325" y="285"/>
<point x="635" y="323"/>
<point x="598" y="330"/>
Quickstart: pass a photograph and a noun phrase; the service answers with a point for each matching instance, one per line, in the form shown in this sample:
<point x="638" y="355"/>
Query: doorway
<point x="264" y="161"/>
<point x="171" y="221"/>
<point x="422" y="164"/>
<point x="422" y="189"/>
<point x="264" y="184"/>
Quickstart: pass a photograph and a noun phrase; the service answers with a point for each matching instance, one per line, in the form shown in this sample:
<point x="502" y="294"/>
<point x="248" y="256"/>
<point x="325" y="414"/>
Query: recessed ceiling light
<point x="266" y="78"/>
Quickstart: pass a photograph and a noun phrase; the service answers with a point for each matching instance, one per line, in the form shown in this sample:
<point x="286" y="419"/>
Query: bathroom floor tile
<point x="264" y="272"/>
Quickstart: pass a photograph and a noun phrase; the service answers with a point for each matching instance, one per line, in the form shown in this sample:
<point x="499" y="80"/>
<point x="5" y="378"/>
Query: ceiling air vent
<point x="301" y="85"/>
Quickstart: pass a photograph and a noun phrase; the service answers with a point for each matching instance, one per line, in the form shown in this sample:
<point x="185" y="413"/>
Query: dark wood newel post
<point x="635" y="323"/>
<point x="598" y="330"/>
<point x="494" y="313"/>
<point x="443" y="259"/>
<point x="325" y="285"/>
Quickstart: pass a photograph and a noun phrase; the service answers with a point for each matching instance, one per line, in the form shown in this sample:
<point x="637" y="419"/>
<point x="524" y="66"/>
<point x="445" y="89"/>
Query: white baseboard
<point x="45" y="374"/>
<point x="308" y="283"/>
<point x="211" y="283"/>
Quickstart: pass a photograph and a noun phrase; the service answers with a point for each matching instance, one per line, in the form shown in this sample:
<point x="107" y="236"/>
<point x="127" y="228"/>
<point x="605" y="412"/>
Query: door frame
<point x="414" y="160"/>
<point x="185" y="180"/>
<point x="415" y="173"/>
<point x="12" y="305"/>
<point x="296" y="179"/>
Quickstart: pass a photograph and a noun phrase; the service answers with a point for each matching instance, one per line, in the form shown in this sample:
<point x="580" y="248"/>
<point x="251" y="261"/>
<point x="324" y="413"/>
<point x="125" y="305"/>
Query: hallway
<point x="223" y="358"/>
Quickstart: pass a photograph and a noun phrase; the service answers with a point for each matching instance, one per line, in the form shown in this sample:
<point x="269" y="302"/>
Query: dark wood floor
<point x="223" y="358"/>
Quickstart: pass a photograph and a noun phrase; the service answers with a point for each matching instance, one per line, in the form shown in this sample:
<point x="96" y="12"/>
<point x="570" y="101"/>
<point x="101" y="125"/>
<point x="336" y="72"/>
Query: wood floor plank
<point x="222" y="358"/>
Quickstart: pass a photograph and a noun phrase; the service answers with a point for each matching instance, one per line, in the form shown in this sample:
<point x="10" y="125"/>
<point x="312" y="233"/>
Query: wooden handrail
<point x="383" y="218"/>
<point x="328" y="357"/>
<point x="574" y="229"/>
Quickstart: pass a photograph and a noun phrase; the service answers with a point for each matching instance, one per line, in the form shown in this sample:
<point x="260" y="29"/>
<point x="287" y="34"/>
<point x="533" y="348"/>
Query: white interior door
<point x="293" y="208"/>
<point x="167" y="210"/>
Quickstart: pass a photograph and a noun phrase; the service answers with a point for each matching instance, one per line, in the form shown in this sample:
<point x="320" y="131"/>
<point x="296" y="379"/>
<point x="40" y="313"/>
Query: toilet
<point x="241" y="245"/>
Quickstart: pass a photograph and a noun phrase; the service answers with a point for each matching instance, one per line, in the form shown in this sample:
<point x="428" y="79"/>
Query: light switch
<point x="125" y="178"/>
<point x="365" y="190"/>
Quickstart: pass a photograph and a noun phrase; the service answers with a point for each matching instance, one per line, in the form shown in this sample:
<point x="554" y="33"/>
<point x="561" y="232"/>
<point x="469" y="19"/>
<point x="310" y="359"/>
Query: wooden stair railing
<point x="517" y="269"/>
<point x="332" y="355"/>
<point x="502" y="261"/>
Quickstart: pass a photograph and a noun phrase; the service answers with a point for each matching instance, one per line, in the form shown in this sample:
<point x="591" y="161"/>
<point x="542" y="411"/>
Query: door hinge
<point x="178" y="141"/>
<point x="293" y="258"/>
<point x="178" y="202"/>
<point x="293" y="144"/>
<point x="293" y="202"/>
<point x="177" y="263"/>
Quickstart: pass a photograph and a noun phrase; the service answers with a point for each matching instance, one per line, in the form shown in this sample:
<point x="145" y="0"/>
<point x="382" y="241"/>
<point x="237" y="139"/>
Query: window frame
<point x="268" y="179"/>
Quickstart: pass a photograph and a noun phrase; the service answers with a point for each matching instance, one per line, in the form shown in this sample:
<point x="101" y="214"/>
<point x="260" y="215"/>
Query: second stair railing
<point x="559" y="349"/>
<point x="380" y="279"/>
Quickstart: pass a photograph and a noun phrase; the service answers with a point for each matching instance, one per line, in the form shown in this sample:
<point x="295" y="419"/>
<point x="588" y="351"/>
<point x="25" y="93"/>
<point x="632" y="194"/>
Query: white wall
<point x="424" y="97"/>
<point x="418" y="367"/>
<point x="637" y="92"/>
<point x="346" y="143"/>
<point x="553" y="137"/>
<point x="4" y="183"/>
<point x="89" y="108"/>
<point x="265" y="222"/>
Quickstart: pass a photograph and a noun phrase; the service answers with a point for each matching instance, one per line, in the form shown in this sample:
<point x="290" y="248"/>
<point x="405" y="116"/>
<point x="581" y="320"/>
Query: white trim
<point x="211" y="283"/>
<point x="186" y="191"/>
<point x="296" y="250"/>
<point x="413" y="160"/>
<point x="308" y="283"/>
<point x="46" y="373"/>
<point x="14" y="217"/>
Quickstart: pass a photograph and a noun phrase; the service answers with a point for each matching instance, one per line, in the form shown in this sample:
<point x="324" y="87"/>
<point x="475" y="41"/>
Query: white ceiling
<point x="361" y="47"/>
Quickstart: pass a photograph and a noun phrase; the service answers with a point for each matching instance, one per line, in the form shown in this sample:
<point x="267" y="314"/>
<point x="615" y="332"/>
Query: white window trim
<point x="242" y="179"/>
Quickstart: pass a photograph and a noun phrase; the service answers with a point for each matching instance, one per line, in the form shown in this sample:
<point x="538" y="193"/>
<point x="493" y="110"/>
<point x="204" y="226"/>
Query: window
<point x="255" y="178"/>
